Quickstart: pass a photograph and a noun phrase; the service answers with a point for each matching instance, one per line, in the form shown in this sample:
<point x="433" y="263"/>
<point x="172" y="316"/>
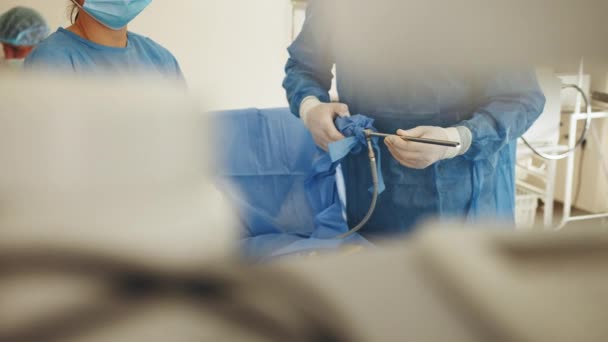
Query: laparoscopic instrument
<point x="369" y="134"/>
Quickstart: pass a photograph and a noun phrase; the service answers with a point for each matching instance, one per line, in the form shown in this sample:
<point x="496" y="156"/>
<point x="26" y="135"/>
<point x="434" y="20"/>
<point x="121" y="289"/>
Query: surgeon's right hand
<point x="319" y="119"/>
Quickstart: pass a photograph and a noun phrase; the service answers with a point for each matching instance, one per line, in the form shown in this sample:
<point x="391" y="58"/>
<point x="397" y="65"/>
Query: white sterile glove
<point x="319" y="118"/>
<point x="420" y="156"/>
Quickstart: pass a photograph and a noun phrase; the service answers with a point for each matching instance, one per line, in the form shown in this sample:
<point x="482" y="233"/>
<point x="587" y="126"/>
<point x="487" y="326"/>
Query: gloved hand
<point x="319" y="119"/>
<point x="420" y="156"/>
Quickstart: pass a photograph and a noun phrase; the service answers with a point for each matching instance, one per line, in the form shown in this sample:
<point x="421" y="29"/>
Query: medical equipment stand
<point x="569" y="154"/>
<point x="567" y="212"/>
<point x="574" y="119"/>
<point x="546" y="175"/>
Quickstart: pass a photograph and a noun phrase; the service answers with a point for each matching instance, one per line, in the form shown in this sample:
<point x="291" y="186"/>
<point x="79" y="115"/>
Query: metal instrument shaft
<point x="417" y="140"/>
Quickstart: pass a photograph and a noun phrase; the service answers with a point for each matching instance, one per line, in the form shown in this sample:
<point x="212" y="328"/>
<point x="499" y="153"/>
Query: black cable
<point x="580" y="140"/>
<point x="376" y="190"/>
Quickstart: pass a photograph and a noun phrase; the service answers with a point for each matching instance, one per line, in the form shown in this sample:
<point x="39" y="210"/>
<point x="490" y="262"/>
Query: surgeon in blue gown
<point x="98" y="42"/>
<point x="485" y="111"/>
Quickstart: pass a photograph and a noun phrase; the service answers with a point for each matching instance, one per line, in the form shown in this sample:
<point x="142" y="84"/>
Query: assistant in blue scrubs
<point x="21" y="29"/>
<point x="98" y="42"/>
<point x="65" y="50"/>
<point x="486" y="111"/>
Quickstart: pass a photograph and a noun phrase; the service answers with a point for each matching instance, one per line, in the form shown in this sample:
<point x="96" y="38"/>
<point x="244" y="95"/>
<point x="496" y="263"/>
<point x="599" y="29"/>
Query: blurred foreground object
<point x="80" y="297"/>
<point x="451" y="284"/>
<point x="109" y="166"/>
<point x="468" y="33"/>
<point x="523" y="287"/>
<point x="455" y="284"/>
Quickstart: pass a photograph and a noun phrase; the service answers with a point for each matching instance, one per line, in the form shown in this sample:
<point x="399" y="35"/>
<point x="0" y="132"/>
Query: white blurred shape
<point x="117" y="167"/>
<point x="546" y="129"/>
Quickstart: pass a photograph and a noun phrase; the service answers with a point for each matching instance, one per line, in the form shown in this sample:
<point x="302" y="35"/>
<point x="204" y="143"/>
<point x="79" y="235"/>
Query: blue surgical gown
<point x="497" y="107"/>
<point x="66" y="51"/>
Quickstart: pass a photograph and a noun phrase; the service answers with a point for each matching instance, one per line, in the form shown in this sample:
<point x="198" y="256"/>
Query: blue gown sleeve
<point x="308" y="69"/>
<point x="165" y="59"/>
<point x="174" y="70"/>
<point x="178" y="70"/>
<point x="511" y="102"/>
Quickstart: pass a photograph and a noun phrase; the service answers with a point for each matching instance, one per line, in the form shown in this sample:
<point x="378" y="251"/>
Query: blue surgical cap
<point x="22" y="26"/>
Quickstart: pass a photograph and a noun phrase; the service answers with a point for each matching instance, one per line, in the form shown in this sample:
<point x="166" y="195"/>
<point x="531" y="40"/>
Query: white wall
<point x="232" y="52"/>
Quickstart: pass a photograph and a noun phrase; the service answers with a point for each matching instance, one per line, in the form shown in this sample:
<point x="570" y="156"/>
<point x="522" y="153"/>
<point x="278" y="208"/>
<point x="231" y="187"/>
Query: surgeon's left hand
<point x="416" y="155"/>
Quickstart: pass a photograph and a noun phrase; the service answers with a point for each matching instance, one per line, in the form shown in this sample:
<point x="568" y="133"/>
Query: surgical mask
<point x="114" y="14"/>
<point x="15" y="64"/>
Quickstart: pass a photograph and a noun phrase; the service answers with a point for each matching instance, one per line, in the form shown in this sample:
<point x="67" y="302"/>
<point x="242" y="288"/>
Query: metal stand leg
<point x="567" y="213"/>
<point x="549" y="193"/>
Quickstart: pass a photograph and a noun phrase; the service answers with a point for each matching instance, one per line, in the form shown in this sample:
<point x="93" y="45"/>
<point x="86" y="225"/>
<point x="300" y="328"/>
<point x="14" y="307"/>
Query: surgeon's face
<point x="16" y="52"/>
